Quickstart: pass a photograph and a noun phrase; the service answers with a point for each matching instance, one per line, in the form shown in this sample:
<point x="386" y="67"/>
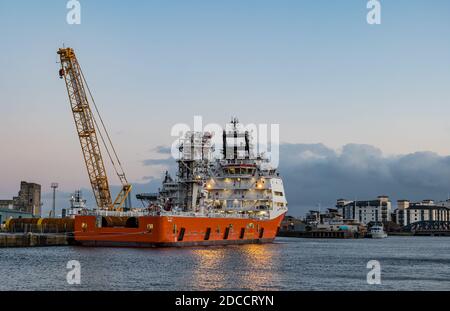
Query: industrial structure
<point x="87" y="129"/>
<point x="26" y="204"/>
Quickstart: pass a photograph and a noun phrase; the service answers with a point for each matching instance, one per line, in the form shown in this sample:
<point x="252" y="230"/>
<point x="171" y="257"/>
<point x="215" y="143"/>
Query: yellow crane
<point x="87" y="129"/>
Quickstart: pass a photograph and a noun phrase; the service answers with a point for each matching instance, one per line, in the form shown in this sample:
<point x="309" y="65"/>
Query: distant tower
<point x="54" y="186"/>
<point x="29" y="198"/>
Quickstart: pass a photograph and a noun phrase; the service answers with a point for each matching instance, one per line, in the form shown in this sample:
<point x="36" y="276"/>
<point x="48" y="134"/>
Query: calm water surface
<point x="407" y="263"/>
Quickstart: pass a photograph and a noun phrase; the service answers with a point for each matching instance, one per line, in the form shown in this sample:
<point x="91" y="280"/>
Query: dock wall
<point x="32" y="240"/>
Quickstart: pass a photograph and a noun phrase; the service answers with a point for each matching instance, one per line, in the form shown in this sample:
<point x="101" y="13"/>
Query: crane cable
<point x="120" y="174"/>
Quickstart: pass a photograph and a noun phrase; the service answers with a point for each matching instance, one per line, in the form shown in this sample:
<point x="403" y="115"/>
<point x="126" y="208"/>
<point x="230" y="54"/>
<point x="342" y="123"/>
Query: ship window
<point x="227" y="232"/>
<point x="207" y="234"/>
<point x="261" y="233"/>
<point x="278" y="193"/>
<point x="181" y="235"/>
<point x="241" y="236"/>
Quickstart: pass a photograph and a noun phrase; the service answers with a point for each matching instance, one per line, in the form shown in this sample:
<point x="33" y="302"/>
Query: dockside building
<point x="408" y="212"/>
<point x="366" y="211"/>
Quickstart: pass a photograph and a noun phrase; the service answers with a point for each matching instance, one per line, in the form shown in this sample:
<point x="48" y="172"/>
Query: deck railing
<point x="177" y="213"/>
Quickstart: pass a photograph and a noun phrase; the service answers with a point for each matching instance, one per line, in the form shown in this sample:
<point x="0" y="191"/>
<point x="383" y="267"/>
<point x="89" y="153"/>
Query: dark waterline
<point x="407" y="263"/>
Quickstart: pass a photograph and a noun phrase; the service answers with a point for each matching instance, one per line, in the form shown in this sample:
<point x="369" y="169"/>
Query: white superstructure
<point x="239" y="183"/>
<point x="77" y="205"/>
<point x="377" y="232"/>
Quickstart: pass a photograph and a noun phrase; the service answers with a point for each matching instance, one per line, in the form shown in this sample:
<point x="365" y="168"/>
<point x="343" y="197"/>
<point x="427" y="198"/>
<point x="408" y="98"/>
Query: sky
<point x="314" y="67"/>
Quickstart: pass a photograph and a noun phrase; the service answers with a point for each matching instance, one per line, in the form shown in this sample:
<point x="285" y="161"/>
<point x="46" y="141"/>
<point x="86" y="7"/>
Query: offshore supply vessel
<point x="234" y="198"/>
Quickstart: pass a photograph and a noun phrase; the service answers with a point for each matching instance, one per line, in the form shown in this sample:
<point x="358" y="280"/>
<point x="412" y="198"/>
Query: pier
<point x="321" y="234"/>
<point x="33" y="239"/>
<point x="33" y="232"/>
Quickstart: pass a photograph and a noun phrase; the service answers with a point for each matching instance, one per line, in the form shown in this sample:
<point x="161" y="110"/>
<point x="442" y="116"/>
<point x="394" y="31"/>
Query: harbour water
<point x="407" y="263"/>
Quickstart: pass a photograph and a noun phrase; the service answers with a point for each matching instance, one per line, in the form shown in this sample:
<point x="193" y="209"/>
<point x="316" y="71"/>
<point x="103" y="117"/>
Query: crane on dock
<point x="87" y="129"/>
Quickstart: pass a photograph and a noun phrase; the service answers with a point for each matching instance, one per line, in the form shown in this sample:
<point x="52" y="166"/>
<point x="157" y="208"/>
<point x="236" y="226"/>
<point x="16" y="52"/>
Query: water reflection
<point x="262" y="266"/>
<point x="207" y="274"/>
<point x="252" y="266"/>
<point x="288" y="264"/>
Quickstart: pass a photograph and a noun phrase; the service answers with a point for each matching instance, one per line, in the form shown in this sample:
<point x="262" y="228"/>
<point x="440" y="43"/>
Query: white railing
<point x="118" y="214"/>
<point x="207" y="214"/>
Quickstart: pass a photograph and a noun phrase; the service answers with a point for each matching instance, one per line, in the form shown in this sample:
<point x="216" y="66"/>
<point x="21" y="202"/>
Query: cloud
<point x="148" y="177"/>
<point x="162" y="150"/>
<point x="163" y="162"/>
<point x="167" y="162"/>
<point x="314" y="173"/>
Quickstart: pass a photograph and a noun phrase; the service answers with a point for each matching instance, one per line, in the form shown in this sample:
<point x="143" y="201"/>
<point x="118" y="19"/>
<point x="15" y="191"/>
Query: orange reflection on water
<point x="262" y="266"/>
<point x="246" y="267"/>
<point x="207" y="273"/>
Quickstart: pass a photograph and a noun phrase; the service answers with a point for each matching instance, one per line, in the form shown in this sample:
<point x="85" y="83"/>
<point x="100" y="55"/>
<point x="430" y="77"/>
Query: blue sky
<point x="315" y="67"/>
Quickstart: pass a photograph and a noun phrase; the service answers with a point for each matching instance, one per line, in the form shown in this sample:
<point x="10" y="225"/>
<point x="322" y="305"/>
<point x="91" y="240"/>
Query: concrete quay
<point x="32" y="239"/>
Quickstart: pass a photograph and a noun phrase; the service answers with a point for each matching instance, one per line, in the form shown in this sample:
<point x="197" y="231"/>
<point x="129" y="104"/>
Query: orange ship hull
<point x="166" y="231"/>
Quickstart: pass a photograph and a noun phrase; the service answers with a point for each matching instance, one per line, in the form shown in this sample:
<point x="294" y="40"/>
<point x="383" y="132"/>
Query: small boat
<point x="377" y="232"/>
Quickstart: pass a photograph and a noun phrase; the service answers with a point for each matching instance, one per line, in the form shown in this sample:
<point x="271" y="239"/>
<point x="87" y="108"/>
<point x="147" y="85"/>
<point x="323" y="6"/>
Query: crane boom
<point x="86" y="128"/>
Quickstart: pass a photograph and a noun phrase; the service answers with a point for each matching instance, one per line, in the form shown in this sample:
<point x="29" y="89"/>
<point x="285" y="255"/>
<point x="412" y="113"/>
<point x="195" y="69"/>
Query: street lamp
<point x="54" y="186"/>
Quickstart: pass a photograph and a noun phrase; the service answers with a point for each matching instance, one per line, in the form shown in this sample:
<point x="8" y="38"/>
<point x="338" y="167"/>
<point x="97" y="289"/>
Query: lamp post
<point x="54" y="186"/>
